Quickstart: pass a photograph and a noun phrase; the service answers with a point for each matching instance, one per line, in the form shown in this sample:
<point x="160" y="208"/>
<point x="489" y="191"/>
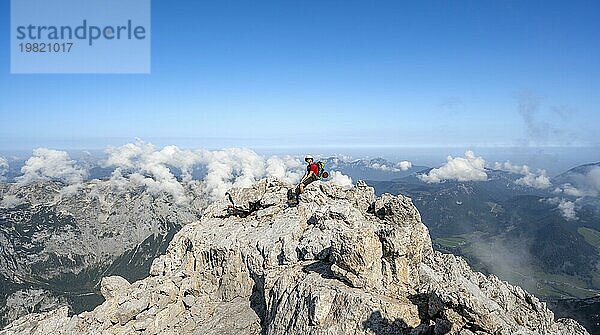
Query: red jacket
<point x="314" y="168"/>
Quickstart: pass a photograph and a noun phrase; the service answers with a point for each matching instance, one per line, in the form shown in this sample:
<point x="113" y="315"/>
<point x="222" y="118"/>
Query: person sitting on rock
<point x="312" y="172"/>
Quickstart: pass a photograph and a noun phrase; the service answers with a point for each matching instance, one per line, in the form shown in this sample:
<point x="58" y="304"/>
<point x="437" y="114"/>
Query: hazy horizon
<point x="553" y="159"/>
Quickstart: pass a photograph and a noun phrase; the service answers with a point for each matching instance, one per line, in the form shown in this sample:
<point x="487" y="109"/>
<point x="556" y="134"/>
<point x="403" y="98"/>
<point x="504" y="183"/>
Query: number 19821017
<point x="45" y="47"/>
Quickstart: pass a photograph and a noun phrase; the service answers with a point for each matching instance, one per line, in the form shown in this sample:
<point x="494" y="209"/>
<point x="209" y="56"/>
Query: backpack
<point x="322" y="174"/>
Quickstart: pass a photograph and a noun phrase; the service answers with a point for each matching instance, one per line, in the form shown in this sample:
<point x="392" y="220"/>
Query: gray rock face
<point x="64" y="242"/>
<point x="27" y="301"/>
<point x="340" y="262"/>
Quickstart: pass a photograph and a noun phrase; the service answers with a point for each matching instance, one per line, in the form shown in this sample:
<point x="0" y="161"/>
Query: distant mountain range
<point x="371" y="169"/>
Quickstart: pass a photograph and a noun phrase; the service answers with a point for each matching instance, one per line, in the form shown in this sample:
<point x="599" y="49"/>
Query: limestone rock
<point x="356" y="256"/>
<point x="340" y="262"/>
<point x="111" y="286"/>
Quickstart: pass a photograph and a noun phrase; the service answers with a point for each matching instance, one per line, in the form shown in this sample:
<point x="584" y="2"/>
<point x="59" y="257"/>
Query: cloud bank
<point x="340" y="179"/>
<point x="404" y="165"/>
<point x="141" y="164"/>
<point x="47" y="164"/>
<point x="584" y="184"/>
<point x="167" y="170"/>
<point x="538" y="180"/>
<point x="468" y="168"/>
<point x="566" y="207"/>
<point x="400" y="166"/>
<point x="237" y="167"/>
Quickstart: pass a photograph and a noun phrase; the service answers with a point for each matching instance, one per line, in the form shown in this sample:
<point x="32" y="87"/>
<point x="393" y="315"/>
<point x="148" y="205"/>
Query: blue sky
<point x="330" y="73"/>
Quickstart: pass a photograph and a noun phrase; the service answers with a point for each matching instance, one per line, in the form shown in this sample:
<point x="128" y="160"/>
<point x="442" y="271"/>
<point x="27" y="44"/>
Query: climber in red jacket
<point x="312" y="173"/>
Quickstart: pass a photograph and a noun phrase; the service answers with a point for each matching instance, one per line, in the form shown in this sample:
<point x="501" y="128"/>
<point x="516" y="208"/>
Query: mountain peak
<point x="341" y="261"/>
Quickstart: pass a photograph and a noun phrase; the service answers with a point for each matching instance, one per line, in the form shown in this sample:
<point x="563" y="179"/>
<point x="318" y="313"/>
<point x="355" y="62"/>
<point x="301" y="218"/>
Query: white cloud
<point x="404" y="165"/>
<point x="142" y="164"/>
<point x="11" y="201"/>
<point x="536" y="180"/>
<point x="233" y="167"/>
<point x="401" y="166"/>
<point x="382" y="167"/>
<point x="586" y="184"/>
<point x="144" y="156"/>
<point x="508" y="166"/>
<point x="169" y="169"/>
<point x="3" y="168"/>
<point x="566" y="208"/>
<point x="469" y="168"/>
<point x="569" y="189"/>
<point x="286" y="168"/>
<point x="47" y="164"/>
<point x="340" y="179"/>
<point x="540" y="181"/>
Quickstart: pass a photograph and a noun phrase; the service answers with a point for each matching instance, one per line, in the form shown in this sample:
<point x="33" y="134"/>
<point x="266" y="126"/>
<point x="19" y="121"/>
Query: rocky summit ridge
<point x="340" y="262"/>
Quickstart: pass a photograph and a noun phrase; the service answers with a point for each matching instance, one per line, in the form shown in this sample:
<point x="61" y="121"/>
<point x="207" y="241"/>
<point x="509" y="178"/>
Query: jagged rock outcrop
<point x="340" y="262"/>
